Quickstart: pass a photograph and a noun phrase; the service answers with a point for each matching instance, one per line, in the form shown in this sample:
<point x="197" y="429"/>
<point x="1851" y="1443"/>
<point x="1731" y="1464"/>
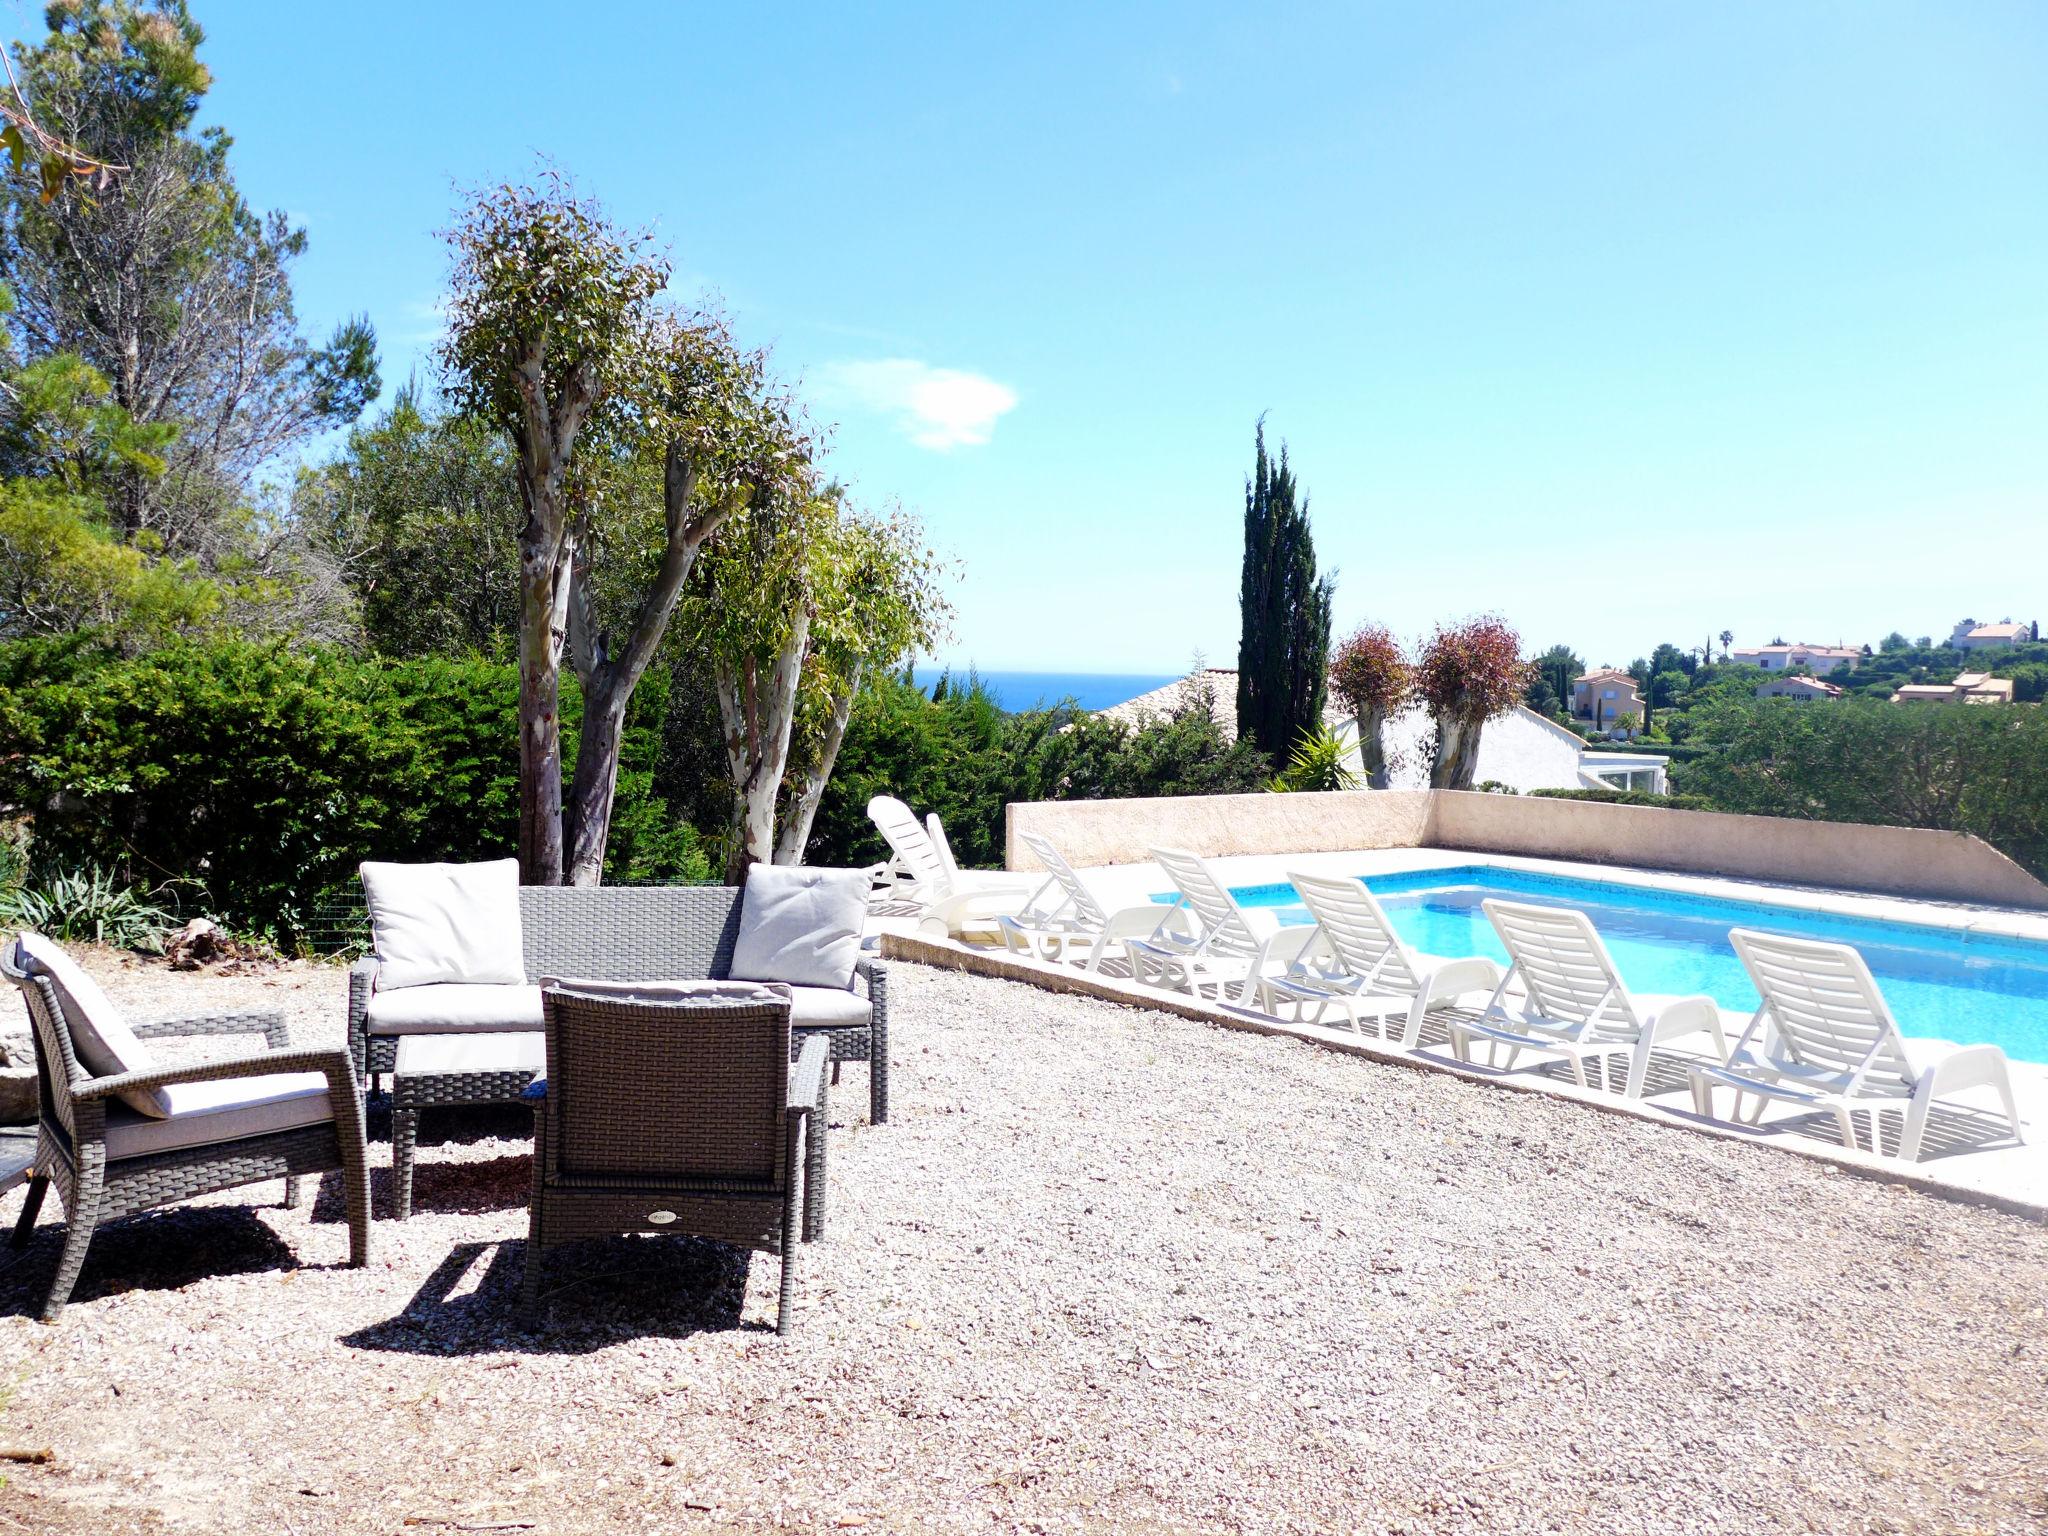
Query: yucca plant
<point x="1317" y="765"/>
<point x="87" y="906"/>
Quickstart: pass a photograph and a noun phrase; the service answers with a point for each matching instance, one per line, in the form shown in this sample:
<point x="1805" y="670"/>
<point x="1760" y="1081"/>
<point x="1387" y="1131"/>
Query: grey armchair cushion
<point x="203" y="1114"/>
<point x="445" y="923"/>
<point x="453" y="1008"/>
<point x="828" y="1008"/>
<point x="800" y="925"/>
<point x="100" y="1038"/>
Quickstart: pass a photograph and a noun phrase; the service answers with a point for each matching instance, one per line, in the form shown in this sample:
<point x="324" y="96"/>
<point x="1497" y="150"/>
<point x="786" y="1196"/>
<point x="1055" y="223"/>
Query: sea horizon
<point x="1017" y="690"/>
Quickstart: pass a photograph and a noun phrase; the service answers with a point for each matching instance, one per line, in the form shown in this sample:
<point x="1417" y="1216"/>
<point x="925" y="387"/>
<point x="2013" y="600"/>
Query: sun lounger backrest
<point x="1562" y="965"/>
<point x="1357" y="930"/>
<point x="1224" y="928"/>
<point x="1086" y="908"/>
<point x="911" y="844"/>
<point x="1823" y="1003"/>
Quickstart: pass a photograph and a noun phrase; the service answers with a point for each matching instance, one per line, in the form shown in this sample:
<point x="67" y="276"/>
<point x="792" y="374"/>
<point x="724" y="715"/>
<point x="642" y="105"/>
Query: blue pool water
<point x="1941" y="983"/>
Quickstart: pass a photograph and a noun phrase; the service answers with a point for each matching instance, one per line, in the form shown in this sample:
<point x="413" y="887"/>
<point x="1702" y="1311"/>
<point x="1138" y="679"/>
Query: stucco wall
<point x="1098" y="832"/>
<point x="1898" y="861"/>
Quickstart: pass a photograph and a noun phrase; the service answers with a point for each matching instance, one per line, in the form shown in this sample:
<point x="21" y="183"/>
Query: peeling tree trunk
<point x="796" y="827"/>
<point x="540" y="721"/>
<point x="1372" y="747"/>
<point x="609" y="678"/>
<point x="1457" y="753"/>
<point x="759" y="712"/>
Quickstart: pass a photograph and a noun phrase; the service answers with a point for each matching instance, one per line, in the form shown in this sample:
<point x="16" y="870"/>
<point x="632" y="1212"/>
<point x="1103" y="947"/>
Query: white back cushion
<point x="800" y="925"/>
<point x="445" y="922"/>
<point x="100" y="1038"/>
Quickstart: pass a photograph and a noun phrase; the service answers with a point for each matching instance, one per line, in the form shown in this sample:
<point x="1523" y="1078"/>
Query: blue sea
<point x="1016" y="691"/>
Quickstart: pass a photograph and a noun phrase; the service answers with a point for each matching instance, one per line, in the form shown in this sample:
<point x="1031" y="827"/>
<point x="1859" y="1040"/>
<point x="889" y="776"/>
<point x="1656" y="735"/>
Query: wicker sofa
<point x="617" y="933"/>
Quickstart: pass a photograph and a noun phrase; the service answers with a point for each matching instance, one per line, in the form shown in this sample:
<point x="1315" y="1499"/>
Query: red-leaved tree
<point x="1468" y="674"/>
<point x="1370" y="673"/>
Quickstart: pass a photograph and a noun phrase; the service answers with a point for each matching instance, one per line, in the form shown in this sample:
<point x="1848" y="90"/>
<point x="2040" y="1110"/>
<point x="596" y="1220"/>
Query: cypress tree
<point x="1283" y="648"/>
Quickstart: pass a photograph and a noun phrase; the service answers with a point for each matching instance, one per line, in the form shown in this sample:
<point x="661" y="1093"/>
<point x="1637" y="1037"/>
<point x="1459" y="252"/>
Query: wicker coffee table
<point x="437" y="1070"/>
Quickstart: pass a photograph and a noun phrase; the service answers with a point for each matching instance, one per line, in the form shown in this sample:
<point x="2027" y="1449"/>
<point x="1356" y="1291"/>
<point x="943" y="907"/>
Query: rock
<point x="17" y="1095"/>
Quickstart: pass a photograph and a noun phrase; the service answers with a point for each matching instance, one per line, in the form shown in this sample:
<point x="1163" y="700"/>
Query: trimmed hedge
<point x="247" y="779"/>
<point x="1628" y="797"/>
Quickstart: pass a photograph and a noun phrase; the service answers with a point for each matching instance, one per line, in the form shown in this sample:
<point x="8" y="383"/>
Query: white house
<point x="1972" y="636"/>
<point x="1520" y="750"/>
<point x="1817" y="659"/>
<point x="1804" y="689"/>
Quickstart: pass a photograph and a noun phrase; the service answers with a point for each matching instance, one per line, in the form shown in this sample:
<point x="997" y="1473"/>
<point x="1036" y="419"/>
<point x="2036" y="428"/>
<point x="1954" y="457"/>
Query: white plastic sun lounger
<point x="1359" y="965"/>
<point x="1220" y="946"/>
<point x="1064" y="920"/>
<point x="1573" y="1005"/>
<point x="954" y="901"/>
<point x="1825" y="1039"/>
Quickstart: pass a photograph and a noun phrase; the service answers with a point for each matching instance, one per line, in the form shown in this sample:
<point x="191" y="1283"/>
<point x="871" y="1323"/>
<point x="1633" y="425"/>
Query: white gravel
<point x="1104" y="1270"/>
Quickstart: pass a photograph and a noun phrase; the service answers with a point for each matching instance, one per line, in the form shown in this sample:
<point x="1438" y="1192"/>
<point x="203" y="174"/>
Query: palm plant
<point x="1317" y="765"/>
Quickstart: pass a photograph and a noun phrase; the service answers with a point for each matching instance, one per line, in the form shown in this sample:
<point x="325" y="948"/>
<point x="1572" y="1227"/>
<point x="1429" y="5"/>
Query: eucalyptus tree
<point x="636" y="432"/>
<point x="797" y="602"/>
<point x="162" y="277"/>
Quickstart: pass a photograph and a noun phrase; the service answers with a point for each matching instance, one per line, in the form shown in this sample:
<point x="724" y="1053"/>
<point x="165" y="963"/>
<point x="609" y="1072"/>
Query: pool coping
<point x="950" y="954"/>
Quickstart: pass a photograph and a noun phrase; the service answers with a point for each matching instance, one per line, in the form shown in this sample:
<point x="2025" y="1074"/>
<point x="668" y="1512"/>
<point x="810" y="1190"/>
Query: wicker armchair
<point x="645" y="933"/>
<point x="673" y="1118"/>
<point x="73" y="1144"/>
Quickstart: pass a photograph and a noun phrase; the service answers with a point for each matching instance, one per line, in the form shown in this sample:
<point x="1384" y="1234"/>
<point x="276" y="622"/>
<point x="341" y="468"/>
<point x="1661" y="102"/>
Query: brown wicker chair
<point x="675" y="1117"/>
<point x="72" y="1142"/>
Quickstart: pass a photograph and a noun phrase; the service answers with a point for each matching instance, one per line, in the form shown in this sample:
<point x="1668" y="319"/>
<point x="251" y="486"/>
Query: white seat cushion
<point x="445" y="922"/>
<point x="100" y="1038"/>
<point x="454" y="1008"/>
<point x="800" y="925"/>
<point x="816" y="1007"/>
<point x="433" y="1055"/>
<point x="202" y="1114"/>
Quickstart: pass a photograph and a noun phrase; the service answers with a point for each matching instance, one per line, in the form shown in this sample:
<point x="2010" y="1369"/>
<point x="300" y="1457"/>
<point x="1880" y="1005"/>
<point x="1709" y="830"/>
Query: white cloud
<point x="936" y="408"/>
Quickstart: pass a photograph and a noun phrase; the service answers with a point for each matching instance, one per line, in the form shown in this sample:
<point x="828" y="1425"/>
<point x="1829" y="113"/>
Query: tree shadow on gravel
<point x="596" y="1294"/>
<point x="154" y="1251"/>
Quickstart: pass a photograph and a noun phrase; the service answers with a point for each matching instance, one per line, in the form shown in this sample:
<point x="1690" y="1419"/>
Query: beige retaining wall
<point x="1893" y="861"/>
<point x="1092" y="833"/>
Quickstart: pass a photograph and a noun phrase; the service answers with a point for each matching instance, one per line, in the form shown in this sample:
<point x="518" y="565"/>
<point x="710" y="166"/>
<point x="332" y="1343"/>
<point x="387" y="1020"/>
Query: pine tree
<point x="1283" y="648"/>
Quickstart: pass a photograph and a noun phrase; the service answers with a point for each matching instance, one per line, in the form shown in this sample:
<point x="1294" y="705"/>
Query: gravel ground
<point x="1106" y="1270"/>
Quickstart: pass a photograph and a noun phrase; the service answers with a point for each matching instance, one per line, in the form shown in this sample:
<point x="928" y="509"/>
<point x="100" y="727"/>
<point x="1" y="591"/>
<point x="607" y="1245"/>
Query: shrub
<point x="262" y="775"/>
<point x="1317" y="765"/>
<point x="961" y="756"/>
<point x="87" y="906"/>
<point x="1629" y="797"/>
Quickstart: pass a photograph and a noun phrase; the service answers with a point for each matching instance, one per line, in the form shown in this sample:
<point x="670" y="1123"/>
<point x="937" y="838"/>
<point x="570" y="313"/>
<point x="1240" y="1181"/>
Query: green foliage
<point x="1283" y="650"/>
<point x="423" y="511"/>
<point x="86" y="906"/>
<point x="164" y="280"/>
<point x="261" y="775"/>
<point x="961" y="756"/>
<point x="1965" y="769"/>
<point x="61" y="571"/>
<point x="1317" y="765"/>
<point x="1628" y="797"/>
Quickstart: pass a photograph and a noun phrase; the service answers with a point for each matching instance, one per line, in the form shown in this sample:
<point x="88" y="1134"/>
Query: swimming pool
<point x="1941" y="983"/>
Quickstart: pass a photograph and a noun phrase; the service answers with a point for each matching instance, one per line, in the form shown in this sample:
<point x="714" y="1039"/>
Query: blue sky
<point x="1628" y="322"/>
